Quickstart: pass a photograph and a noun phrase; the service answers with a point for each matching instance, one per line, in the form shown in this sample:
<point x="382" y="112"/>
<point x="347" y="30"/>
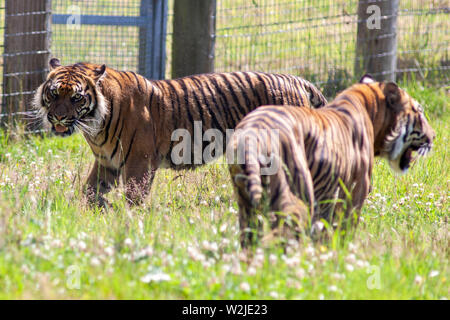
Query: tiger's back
<point x="220" y="100"/>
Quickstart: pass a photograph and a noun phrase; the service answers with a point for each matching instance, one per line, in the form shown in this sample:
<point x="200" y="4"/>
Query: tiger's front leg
<point x="359" y="195"/>
<point x="346" y="217"/>
<point x="100" y="181"/>
<point x="138" y="177"/>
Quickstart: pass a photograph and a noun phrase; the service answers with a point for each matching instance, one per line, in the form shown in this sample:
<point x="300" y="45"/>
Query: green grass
<point x="185" y="237"/>
<point x="183" y="242"/>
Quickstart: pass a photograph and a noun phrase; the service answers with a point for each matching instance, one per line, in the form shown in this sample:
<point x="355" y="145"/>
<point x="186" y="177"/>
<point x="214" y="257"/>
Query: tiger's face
<point x="407" y="131"/>
<point x="411" y="134"/>
<point x="69" y="99"/>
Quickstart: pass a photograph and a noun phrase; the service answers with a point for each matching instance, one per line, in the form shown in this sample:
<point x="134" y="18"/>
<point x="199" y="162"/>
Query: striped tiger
<point x="320" y="154"/>
<point x="128" y="120"/>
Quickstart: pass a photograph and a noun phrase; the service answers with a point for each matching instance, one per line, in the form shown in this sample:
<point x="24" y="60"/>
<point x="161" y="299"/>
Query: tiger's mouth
<point x="62" y="130"/>
<point x="410" y="155"/>
<point x="406" y="159"/>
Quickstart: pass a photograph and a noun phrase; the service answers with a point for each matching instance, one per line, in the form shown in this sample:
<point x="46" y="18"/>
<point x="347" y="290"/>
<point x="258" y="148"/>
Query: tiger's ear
<point x="393" y="96"/>
<point x="99" y="73"/>
<point x="367" y="78"/>
<point x="54" y="63"/>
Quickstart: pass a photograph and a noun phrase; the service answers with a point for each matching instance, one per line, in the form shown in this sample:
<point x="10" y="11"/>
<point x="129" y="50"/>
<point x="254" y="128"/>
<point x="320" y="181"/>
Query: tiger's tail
<point x="245" y="171"/>
<point x="316" y="98"/>
<point x="254" y="184"/>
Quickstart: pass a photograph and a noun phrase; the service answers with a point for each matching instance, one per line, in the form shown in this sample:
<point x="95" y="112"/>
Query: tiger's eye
<point x="77" y="97"/>
<point x="54" y="92"/>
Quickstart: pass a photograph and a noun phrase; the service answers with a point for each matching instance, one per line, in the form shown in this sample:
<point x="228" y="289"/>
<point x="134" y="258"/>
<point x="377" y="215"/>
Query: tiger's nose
<point x="59" y="118"/>
<point x="432" y="136"/>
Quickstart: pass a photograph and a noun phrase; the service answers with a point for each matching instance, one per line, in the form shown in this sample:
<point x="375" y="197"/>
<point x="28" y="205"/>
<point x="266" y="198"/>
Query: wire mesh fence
<point x="117" y="46"/>
<point x="25" y="53"/>
<point x="2" y="48"/>
<point x="124" y="34"/>
<point x="424" y="41"/>
<point x="316" y="39"/>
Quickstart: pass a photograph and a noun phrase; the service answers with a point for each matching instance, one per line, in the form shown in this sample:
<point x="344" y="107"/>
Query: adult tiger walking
<point x="128" y="120"/>
<point x="320" y="155"/>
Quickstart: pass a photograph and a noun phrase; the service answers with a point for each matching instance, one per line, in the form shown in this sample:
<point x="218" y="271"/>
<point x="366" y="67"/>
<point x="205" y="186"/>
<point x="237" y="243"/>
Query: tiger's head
<point x="405" y="128"/>
<point x="70" y="98"/>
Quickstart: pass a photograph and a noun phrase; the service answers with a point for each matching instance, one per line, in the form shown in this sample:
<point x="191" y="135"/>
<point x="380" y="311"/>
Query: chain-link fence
<point x="117" y="46"/>
<point x="424" y="41"/>
<point x="316" y="39"/>
<point x="123" y="33"/>
<point x="25" y="53"/>
<point x="2" y="50"/>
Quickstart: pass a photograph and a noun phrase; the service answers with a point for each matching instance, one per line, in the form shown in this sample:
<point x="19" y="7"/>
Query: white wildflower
<point x="332" y="288"/>
<point x="272" y="258"/>
<point x="236" y="268"/>
<point x="310" y="250"/>
<point x="109" y="251"/>
<point x="128" y="242"/>
<point x="156" y="276"/>
<point x="251" y="271"/>
<point x="223" y="228"/>
<point x="351" y="258"/>
<point x="349" y="267"/>
<point x="300" y="273"/>
<point x="244" y="286"/>
<point x="293" y="261"/>
<point x="82" y="245"/>
<point x="338" y="276"/>
<point x="95" y="261"/>
<point x="361" y="263"/>
<point x="273" y="294"/>
<point x="433" y="273"/>
<point x="352" y="247"/>
<point x="56" y="243"/>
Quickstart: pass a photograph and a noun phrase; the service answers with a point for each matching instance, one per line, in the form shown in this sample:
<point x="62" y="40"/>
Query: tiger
<point x="321" y="158"/>
<point x="128" y="121"/>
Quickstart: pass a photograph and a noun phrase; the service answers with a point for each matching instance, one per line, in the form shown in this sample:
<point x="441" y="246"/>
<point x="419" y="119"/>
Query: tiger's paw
<point x="97" y="201"/>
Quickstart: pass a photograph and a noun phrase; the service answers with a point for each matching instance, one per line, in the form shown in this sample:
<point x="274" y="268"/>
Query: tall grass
<point x="183" y="241"/>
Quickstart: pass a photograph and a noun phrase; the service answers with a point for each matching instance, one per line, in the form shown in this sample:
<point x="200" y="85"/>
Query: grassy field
<point x="183" y="242"/>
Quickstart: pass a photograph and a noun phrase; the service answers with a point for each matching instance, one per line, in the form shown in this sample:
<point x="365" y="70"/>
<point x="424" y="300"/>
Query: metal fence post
<point x="376" y="44"/>
<point x="26" y="53"/>
<point x="152" y="39"/>
<point x="194" y="26"/>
